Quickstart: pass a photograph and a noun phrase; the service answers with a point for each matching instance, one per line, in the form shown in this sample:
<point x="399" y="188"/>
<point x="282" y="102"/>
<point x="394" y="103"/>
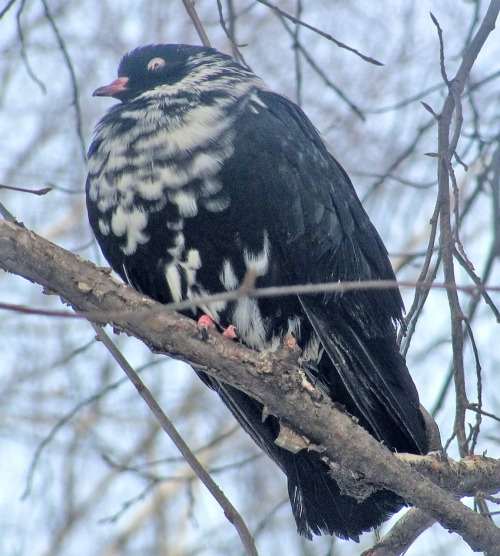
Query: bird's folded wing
<point x="320" y="232"/>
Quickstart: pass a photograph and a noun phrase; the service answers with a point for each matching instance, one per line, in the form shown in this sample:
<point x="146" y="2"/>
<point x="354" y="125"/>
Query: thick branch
<point x="273" y="380"/>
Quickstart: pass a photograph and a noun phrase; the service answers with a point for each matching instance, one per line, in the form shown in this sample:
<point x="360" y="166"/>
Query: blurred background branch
<point x="109" y="458"/>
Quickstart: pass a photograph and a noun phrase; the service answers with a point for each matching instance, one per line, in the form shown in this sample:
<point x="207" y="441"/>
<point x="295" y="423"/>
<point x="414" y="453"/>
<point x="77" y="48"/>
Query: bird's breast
<point x="145" y="161"/>
<point x="164" y="217"/>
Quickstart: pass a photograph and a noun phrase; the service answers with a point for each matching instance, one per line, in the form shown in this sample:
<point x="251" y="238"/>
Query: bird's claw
<point x="205" y="323"/>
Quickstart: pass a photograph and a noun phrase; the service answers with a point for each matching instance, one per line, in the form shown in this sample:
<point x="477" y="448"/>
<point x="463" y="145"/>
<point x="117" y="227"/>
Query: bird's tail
<point x="318" y="505"/>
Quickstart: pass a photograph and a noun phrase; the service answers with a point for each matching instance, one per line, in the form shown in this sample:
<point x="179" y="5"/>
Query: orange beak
<point x="118" y="86"/>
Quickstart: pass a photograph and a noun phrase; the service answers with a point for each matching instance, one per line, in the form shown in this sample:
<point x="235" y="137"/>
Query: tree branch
<point x="166" y="424"/>
<point x="402" y="535"/>
<point x="270" y="378"/>
<point x="446" y="149"/>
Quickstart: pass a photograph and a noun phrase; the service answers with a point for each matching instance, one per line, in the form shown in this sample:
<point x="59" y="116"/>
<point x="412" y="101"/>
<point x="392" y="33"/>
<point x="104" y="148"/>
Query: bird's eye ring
<point x="156" y="63"/>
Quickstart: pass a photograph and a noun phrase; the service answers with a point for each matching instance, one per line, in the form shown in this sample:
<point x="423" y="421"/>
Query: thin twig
<point x="319" y="32"/>
<point x="230" y="31"/>
<point x="442" y="65"/>
<point x="473" y="407"/>
<point x="229" y="510"/>
<point x="277" y="291"/>
<point x="24" y="55"/>
<point x="473" y="437"/>
<point x="296" y="55"/>
<point x="74" y="85"/>
<point x="477" y="280"/>
<point x="328" y="82"/>
<point x="189" y="5"/>
<point x="42" y="191"/>
<point x="409" y="150"/>
<point x="4" y="211"/>
<point x="426" y="278"/>
<point x="7" y="8"/>
<point x="57" y="427"/>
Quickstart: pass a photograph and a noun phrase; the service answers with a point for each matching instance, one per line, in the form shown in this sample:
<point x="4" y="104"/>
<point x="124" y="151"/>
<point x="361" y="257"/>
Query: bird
<point x="200" y="175"/>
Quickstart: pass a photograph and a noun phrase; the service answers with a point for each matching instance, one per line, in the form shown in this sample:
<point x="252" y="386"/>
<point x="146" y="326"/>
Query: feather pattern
<point x="202" y="174"/>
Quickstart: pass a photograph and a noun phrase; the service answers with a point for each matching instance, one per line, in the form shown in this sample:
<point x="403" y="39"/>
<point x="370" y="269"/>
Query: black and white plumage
<point x="202" y="174"/>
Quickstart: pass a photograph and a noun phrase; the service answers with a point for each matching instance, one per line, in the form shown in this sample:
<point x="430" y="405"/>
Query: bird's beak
<point x="118" y="86"/>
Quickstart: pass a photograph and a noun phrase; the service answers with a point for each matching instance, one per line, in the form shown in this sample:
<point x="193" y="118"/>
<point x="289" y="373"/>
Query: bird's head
<point x="162" y="67"/>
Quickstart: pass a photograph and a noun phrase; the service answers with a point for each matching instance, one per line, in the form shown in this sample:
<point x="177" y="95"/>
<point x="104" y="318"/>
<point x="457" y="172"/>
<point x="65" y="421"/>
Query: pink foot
<point x="230" y="332"/>
<point x="205" y="323"/>
<point x="290" y="342"/>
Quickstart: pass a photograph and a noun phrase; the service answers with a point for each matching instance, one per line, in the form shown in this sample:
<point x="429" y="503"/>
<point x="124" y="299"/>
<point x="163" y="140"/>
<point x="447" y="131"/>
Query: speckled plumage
<point x="201" y="174"/>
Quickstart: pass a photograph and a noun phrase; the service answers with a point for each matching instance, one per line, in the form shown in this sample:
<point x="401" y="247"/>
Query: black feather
<point x="202" y="174"/>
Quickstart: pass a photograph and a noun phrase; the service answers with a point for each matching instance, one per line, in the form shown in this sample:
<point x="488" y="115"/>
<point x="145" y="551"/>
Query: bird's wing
<point x="319" y="232"/>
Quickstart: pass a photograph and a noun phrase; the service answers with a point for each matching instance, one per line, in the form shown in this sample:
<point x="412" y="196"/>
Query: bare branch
<point x="402" y="534"/>
<point x="230" y="31"/>
<point x="274" y="381"/>
<point x="7" y="7"/>
<point x="189" y="5"/>
<point x="166" y="424"/>
<point x="446" y="149"/>
<point x="326" y="79"/>
<point x="4" y="211"/>
<point x="274" y="291"/>
<point x="319" y="32"/>
<point x="42" y="191"/>
<point x="74" y="86"/>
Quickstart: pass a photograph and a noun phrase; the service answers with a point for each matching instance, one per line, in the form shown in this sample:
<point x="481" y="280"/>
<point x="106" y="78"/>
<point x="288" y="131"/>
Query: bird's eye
<point x="156" y="63"/>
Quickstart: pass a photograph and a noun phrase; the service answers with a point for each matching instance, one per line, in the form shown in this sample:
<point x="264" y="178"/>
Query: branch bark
<point x="270" y="378"/>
